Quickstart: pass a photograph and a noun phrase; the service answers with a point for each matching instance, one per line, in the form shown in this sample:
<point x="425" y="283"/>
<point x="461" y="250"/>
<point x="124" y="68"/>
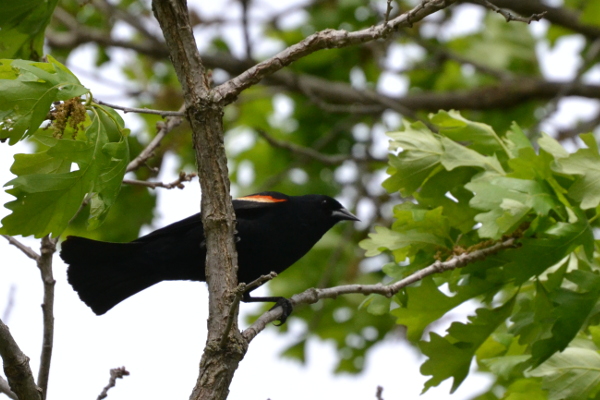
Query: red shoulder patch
<point x="261" y="198"/>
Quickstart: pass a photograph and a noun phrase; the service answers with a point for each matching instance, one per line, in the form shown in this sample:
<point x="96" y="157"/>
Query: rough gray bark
<point x="221" y="357"/>
<point x="16" y="367"/>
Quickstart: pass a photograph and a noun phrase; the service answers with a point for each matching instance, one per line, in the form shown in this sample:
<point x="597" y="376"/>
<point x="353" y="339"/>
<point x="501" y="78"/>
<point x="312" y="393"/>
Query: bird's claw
<point x="286" y="310"/>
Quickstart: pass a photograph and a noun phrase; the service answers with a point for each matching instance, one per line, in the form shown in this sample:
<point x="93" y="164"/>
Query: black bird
<point x="273" y="232"/>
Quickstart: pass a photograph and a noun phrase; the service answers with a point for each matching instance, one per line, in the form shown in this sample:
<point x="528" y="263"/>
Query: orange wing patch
<point x="262" y="198"/>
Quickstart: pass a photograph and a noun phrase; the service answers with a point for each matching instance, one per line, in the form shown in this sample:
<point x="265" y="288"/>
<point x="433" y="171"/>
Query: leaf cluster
<point x="87" y="165"/>
<point x="467" y="184"/>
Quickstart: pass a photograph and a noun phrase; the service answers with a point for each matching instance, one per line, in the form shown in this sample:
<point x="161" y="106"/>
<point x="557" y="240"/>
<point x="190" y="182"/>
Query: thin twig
<point x="115" y="373"/>
<point x="113" y="11"/>
<point x="562" y="16"/>
<point x="163" y="129"/>
<point x="261" y="280"/>
<point x="16" y="367"/>
<point x="507" y="15"/>
<point x="313" y="295"/>
<point x="29" y="252"/>
<point x="141" y="110"/>
<point x="47" y="250"/>
<point x="246" y="28"/>
<point x="5" y="388"/>
<point x="9" y="303"/>
<point x="388" y="10"/>
<point x="341" y="108"/>
<point x="79" y="34"/>
<point x="235" y="304"/>
<point x="333" y="159"/>
<point x="379" y="393"/>
<point x="178" y="183"/>
<point x="301" y="161"/>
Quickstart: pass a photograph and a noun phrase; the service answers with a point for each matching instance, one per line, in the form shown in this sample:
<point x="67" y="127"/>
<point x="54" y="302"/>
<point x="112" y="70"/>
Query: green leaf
<point x="573" y="374"/>
<point x="419" y="158"/>
<point x="47" y="188"/>
<point x="434" y="193"/>
<point x="456" y="155"/>
<point x="505" y="365"/>
<point x="570" y="310"/>
<point x="397" y="242"/>
<point x="451" y="356"/>
<point x="296" y="351"/>
<point x="555" y="243"/>
<point x="529" y="165"/>
<point x="586" y="164"/>
<point x="23" y="25"/>
<point x="550" y="145"/>
<point x="516" y="140"/>
<point x="525" y="389"/>
<point x="479" y="137"/>
<point x="414" y="229"/>
<point x="28" y="91"/>
<point x="507" y="202"/>
<point x="426" y="304"/>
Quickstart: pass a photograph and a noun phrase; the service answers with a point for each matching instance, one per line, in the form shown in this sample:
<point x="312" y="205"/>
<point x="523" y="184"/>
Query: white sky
<point x="158" y="334"/>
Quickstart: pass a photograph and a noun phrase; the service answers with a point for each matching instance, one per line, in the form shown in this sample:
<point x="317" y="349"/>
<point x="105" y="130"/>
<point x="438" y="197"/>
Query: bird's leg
<point x="285" y="304"/>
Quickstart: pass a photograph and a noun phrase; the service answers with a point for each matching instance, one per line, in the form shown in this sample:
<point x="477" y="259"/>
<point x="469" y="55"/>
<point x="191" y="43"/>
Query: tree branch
<point x="141" y="110"/>
<point x="44" y="263"/>
<point x="28" y="251"/>
<point x="178" y="183"/>
<point x="79" y="35"/>
<point x="582" y="127"/>
<point x="16" y="367"/>
<point x="4" y="388"/>
<point x="506" y="94"/>
<point x="327" y="159"/>
<point x="388" y="10"/>
<point x="163" y="129"/>
<point x="246" y="29"/>
<point x="9" y="304"/>
<point x="507" y="15"/>
<point x="115" y="373"/>
<point x="313" y="295"/>
<point x="327" y="39"/>
<point x="113" y="11"/>
<point x="562" y="16"/>
<point x="239" y="294"/>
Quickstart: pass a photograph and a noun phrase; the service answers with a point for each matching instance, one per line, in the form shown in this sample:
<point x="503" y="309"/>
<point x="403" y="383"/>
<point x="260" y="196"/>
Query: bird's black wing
<point x="244" y="209"/>
<point x="175" y="229"/>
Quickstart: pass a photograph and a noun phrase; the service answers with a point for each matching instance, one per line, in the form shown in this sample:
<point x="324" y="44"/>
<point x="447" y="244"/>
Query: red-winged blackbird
<point x="273" y="232"/>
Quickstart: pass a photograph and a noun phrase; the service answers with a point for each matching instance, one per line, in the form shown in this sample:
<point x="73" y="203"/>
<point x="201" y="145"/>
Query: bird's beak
<point x="343" y="214"/>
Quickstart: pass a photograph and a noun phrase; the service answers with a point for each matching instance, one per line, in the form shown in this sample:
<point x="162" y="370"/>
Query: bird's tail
<point x="103" y="273"/>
